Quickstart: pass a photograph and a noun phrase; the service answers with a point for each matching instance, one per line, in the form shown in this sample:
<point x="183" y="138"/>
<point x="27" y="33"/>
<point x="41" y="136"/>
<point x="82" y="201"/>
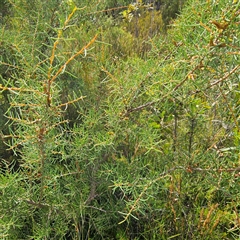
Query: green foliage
<point x="118" y="135"/>
<point x="170" y="10"/>
<point x="143" y="22"/>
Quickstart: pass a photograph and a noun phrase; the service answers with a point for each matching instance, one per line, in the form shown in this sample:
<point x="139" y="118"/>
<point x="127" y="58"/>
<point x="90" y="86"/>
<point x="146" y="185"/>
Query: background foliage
<point x="119" y="125"/>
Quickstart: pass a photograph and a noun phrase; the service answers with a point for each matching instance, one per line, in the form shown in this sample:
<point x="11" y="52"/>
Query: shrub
<point x="120" y="147"/>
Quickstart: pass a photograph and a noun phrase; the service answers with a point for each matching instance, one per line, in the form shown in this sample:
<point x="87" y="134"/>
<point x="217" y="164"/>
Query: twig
<point x="221" y="79"/>
<point x="165" y="174"/>
<point x="36" y="204"/>
<point x="187" y="76"/>
<point x="139" y="107"/>
<point x="162" y="175"/>
<point x="73" y="57"/>
<point x="215" y="170"/>
<point x="71" y="102"/>
<point x="100" y="209"/>
<point x="166" y="95"/>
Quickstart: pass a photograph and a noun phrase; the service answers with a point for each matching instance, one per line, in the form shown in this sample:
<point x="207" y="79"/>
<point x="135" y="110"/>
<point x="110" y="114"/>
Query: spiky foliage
<point x="121" y="146"/>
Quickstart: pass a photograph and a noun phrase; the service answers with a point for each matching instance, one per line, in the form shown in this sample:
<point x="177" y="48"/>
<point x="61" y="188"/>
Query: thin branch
<point x="13" y="89"/>
<point x="170" y="92"/>
<point x="162" y="175"/>
<point x="139" y="107"/>
<point x="73" y="57"/>
<point x="36" y="204"/>
<point x="71" y="102"/>
<point x="187" y="76"/>
<point x="166" y="174"/>
<point x="100" y="209"/>
<point x="225" y="77"/>
<point x="221" y="79"/>
<point x="215" y="170"/>
<point x="107" y="10"/>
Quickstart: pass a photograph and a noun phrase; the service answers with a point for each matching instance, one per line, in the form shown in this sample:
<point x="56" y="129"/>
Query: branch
<point x="162" y="175"/>
<point x="221" y="79"/>
<point x="73" y="57"/>
<point x="165" y="174"/>
<point x="187" y="76"/>
<point x="139" y="107"/>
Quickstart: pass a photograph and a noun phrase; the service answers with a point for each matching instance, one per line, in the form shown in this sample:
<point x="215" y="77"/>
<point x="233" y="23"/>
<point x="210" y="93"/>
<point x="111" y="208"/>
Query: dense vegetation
<point x="118" y="120"/>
